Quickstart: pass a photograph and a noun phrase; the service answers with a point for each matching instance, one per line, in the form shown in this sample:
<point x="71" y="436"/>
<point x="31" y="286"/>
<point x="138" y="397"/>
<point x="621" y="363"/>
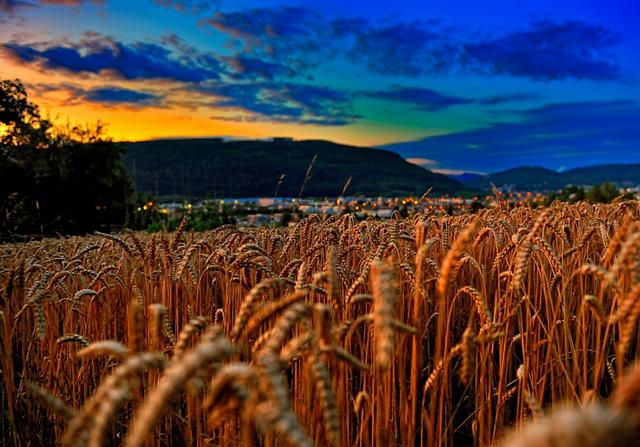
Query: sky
<point x="456" y="85"/>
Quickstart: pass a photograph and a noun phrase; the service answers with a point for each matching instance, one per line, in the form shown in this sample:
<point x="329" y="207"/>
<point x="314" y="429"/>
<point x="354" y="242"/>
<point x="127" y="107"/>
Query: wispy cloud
<point x="245" y="67"/>
<point x="69" y="2"/>
<point x="189" y="6"/>
<point x="420" y="98"/>
<point x="117" y="95"/>
<point x="280" y="102"/>
<point x="508" y="97"/>
<point x="108" y="96"/>
<point x="549" y="51"/>
<point x="291" y="36"/>
<point x="555" y="135"/>
<point x="9" y="7"/>
<point x="300" y="38"/>
<point x="408" y="49"/>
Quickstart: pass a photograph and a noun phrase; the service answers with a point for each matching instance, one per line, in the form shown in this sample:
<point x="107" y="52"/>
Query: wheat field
<point x="431" y="330"/>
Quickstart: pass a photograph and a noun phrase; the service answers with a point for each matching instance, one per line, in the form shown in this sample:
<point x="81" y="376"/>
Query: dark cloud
<point x="280" y="102"/>
<point x="510" y="97"/>
<point x="545" y="51"/>
<point x="293" y="37"/>
<point x="69" y="2"/>
<point x="302" y="38"/>
<point x="554" y="136"/>
<point x="431" y="100"/>
<point x="189" y="6"/>
<point x="117" y="95"/>
<point x="290" y="41"/>
<point x="270" y="27"/>
<point x="111" y="96"/>
<point x="549" y="51"/>
<point x="9" y="8"/>
<point x="421" y="98"/>
<point x="286" y="32"/>
<point x="408" y="49"/>
<point x="244" y="67"/>
<point x="248" y="87"/>
<point x="97" y="54"/>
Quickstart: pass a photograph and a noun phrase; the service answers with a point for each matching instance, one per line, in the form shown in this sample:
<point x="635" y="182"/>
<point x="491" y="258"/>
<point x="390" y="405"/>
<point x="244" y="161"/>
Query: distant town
<point x="259" y="211"/>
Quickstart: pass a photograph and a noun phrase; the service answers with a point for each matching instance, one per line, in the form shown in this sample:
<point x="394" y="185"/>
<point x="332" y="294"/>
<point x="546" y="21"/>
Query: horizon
<point x="457" y="87"/>
<point x="448" y="172"/>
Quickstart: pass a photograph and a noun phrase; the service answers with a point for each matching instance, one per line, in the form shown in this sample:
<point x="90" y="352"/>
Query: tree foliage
<point x="604" y="193"/>
<point x="56" y="179"/>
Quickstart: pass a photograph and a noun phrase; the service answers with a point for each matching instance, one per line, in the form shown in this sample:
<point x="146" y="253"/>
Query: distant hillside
<point x="531" y="178"/>
<point x="541" y="179"/>
<point x="215" y="168"/>
<point x="620" y="174"/>
<point x="465" y="177"/>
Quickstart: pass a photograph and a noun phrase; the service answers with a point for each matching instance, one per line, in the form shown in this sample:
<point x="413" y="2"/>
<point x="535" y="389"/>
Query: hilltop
<point x="217" y="168"/>
<point x="542" y="179"/>
<point x="523" y="178"/>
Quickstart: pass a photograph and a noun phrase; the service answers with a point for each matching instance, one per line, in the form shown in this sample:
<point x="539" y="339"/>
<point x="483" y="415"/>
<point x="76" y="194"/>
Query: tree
<point x="56" y="179"/>
<point x="604" y="193"/>
<point x="23" y="125"/>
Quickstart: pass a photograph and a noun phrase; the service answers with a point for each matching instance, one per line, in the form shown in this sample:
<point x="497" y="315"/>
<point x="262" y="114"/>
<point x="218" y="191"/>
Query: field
<point x="410" y="332"/>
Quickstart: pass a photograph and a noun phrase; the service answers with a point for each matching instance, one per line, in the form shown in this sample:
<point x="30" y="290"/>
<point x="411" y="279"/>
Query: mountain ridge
<point x="543" y="179"/>
<point x="213" y="167"/>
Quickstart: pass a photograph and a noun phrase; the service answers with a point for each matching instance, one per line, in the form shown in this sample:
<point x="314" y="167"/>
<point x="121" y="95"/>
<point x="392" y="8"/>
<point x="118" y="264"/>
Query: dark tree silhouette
<point x="67" y="180"/>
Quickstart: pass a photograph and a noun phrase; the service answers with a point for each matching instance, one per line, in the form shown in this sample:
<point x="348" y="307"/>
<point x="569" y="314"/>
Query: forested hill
<point x="217" y="168"/>
<point x="541" y="179"/>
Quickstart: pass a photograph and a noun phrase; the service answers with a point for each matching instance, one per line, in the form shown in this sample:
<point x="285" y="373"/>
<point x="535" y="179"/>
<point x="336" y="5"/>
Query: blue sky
<point x="470" y="85"/>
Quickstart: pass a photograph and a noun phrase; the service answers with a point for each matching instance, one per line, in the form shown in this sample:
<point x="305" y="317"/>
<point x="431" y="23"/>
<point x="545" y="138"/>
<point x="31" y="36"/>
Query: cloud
<point x="97" y="54"/>
<point x="284" y="41"/>
<point x="421" y="98"/>
<point x="70" y="2"/>
<point x="509" y="97"/>
<point x="429" y="100"/>
<point x="454" y="172"/>
<point x="110" y="96"/>
<point x="408" y="49"/>
<point x="244" y="67"/>
<point x="302" y="38"/>
<point x="241" y="87"/>
<point x="280" y="102"/>
<point x="188" y="6"/>
<point x="549" y="51"/>
<point x="290" y="41"/>
<point x="424" y="162"/>
<point x="293" y="36"/>
<point x="555" y="135"/>
<point x="117" y="95"/>
<point x="9" y="8"/>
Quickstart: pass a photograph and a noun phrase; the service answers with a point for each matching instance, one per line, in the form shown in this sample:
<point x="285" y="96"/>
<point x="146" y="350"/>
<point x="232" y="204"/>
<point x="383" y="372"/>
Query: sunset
<point x="557" y="78"/>
<point x="319" y="223"/>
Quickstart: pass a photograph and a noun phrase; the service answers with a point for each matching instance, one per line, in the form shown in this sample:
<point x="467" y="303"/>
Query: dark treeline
<point x="56" y="180"/>
<point x="212" y="167"/>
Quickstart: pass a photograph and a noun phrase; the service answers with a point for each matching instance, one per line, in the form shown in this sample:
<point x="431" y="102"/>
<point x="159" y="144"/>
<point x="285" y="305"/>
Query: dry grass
<point x="423" y="331"/>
